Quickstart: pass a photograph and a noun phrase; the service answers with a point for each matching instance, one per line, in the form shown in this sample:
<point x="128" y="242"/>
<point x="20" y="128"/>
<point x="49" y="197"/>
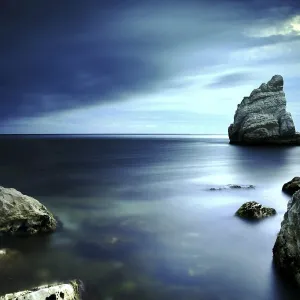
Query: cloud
<point x="289" y="26"/>
<point x="72" y="58"/>
<point x="230" y="80"/>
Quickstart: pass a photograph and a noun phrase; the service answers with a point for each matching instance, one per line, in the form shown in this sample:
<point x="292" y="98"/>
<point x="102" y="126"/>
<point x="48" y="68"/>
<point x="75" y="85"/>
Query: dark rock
<point x="232" y="186"/>
<point x="292" y="186"/>
<point x="254" y="210"/>
<point x="286" y="251"/>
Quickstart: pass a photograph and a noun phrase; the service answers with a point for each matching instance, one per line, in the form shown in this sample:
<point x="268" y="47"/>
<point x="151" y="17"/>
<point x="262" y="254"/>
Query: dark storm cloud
<point x="64" y="54"/>
<point x="50" y="58"/>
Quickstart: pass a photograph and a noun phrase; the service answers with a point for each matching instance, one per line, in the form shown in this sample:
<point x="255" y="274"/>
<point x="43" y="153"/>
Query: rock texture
<point x="67" y="291"/>
<point x="292" y="186"/>
<point x="286" y="251"/>
<point x="21" y="214"/>
<point x="254" y="210"/>
<point x="262" y="117"/>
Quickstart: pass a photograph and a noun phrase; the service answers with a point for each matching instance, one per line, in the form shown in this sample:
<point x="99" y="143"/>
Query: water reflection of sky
<point x="141" y="214"/>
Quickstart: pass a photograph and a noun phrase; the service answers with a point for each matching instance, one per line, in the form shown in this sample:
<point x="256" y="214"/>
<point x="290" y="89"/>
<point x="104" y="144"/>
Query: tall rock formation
<point x="262" y="117"/>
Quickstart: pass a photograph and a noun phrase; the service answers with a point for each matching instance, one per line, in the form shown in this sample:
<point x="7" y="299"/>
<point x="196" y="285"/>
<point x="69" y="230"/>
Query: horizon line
<point x="112" y="134"/>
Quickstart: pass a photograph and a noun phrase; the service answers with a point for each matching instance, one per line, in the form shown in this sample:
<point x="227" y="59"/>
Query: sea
<point x="139" y="218"/>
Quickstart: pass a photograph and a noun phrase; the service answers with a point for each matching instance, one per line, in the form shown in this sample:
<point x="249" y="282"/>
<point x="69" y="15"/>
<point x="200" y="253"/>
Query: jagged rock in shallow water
<point x="232" y="186"/>
<point x="21" y="214"/>
<point x="254" y="210"/>
<point x="292" y="186"/>
<point x="262" y="118"/>
<point x="71" y="290"/>
<point x="286" y="251"/>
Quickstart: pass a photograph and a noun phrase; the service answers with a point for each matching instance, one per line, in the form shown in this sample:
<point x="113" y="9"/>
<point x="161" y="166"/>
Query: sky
<point x="122" y="66"/>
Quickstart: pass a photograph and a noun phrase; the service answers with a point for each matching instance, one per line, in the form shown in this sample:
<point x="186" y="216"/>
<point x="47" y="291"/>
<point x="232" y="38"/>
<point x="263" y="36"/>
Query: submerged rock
<point x="7" y="256"/>
<point x="110" y="248"/>
<point x="128" y="286"/>
<point x="286" y="251"/>
<point x="232" y="186"/>
<point x="254" y="210"/>
<point x="43" y="274"/>
<point x="292" y="186"/>
<point x="21" y="214"/>
<point x="71" y="290"/>
<point x="262" y="118"/>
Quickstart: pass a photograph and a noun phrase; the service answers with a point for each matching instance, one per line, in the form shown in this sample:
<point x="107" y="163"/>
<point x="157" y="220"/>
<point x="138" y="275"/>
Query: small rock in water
<point x="233" y="186"/>
<point x="236" y="186"/>
<point x="254" y="210"/>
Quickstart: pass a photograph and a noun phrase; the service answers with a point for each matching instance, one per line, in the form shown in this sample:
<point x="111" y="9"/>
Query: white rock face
<point x="22" y="214"/>
<point x="286" y="251"/>
<point x="262" y="116"/>
<point x="65" y="291"/>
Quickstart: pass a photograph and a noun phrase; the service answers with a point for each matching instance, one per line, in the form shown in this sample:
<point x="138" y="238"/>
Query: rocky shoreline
<point x="261" y="119"/>
<point x="14" y="205"/>
<point x="286" y="250"/>
<point x="22" y="215"/>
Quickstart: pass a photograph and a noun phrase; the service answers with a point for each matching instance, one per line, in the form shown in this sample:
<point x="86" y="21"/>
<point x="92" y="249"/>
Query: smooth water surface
<point x="140" y="221"/>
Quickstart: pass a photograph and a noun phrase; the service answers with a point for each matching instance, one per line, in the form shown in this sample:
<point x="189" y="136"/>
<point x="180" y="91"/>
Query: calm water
<point x="140" y="221"/>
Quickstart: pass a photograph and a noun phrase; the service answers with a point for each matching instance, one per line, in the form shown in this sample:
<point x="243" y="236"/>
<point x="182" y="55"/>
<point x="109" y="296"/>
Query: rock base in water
<point x="254" y="210"/>
<point x="293" y="140"/>
<point x="21" y="214"/>
<point x="292" y="186"/>
<point x="71" y="290"/>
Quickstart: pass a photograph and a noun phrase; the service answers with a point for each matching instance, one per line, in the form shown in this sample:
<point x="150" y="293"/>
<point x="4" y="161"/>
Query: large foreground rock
<point x="21" y="214"/>
<point x="292" y="186"/>
<point x="67" y="291"/>
<point x="254" y="210"/>
<point x="286" y="251"/>
<point x="262" y="118"/>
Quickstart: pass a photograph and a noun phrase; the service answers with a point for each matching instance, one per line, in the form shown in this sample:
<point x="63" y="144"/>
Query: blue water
<point x="140" y="221"/>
